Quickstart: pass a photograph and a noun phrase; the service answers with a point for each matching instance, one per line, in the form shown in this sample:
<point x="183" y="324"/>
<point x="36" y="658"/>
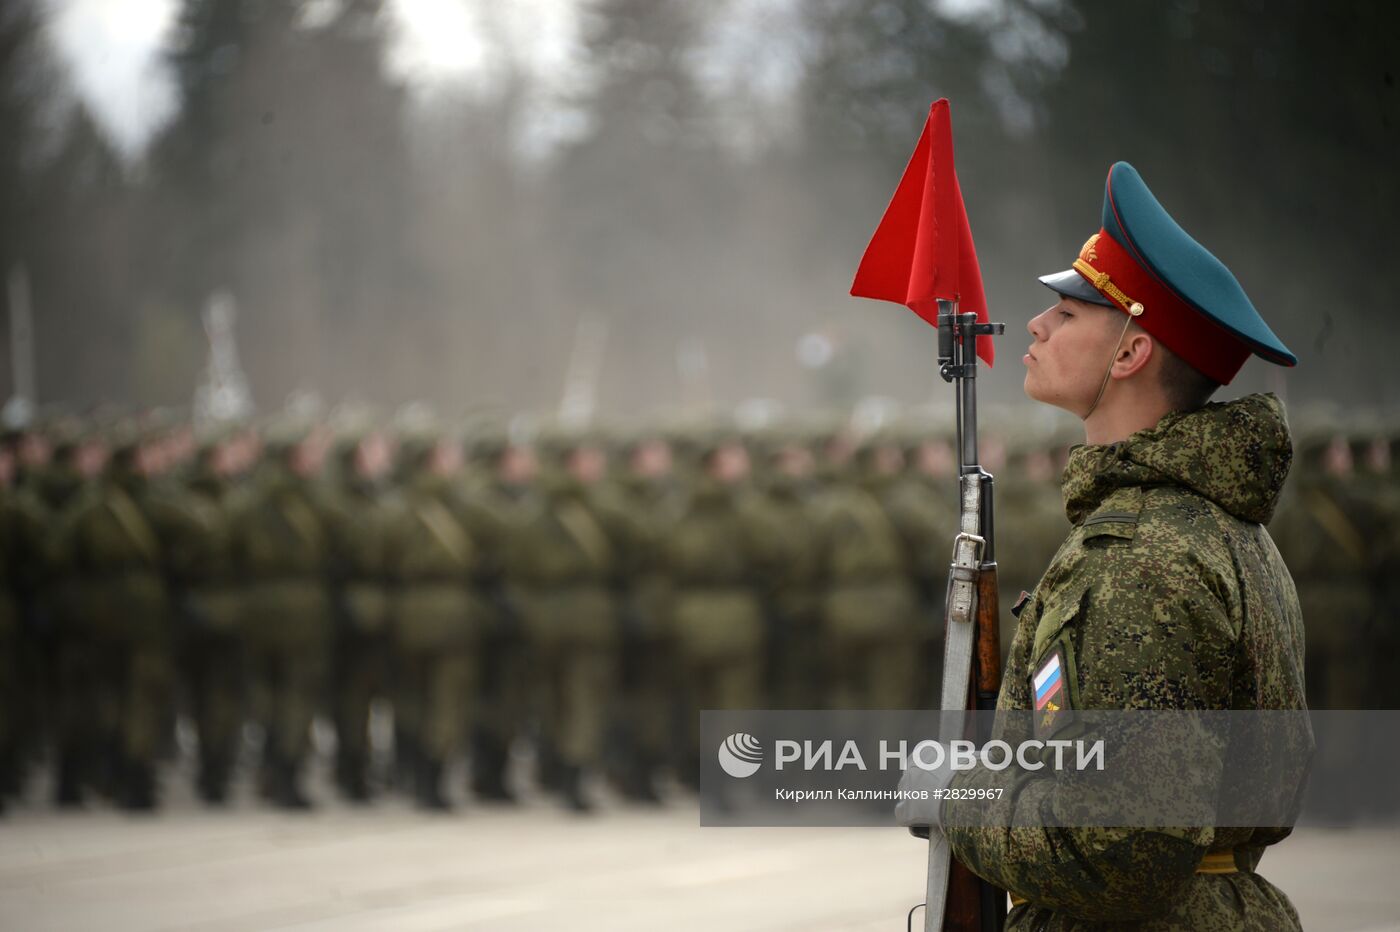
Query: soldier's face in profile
<point x="1073" y="343"/>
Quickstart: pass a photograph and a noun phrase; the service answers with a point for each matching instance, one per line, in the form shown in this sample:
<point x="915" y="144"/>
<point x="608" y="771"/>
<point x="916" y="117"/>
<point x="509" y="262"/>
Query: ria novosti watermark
<point x="1114" y="768"/>
<point x="740" y="755"/>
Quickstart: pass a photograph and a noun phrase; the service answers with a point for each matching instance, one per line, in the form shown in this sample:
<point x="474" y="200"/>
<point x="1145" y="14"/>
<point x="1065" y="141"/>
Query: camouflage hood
<point x="1235" y="453"/>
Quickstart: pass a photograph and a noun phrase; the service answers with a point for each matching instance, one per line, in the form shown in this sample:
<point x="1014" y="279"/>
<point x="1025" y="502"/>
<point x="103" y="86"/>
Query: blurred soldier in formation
<point x="116" y="639"/>
<point x="785" y="508"/>
<point x="471" y="600"/>
<point x="1374" y="483"/>
<point x="1030" y="525"/>
<point x="925" y="502"/>
<point x="56" y="466"/>
<point x="504" y="497"/>
<point x="210" y="590"/>
<point x="1387" y="482"/>
<point x="1324" y="531"/>
<point x="359" y="511"/>
<point x="644" y="704"/>
<point x="21" y="530"/>
<point x="870" y="606"/>
<point x="714" y="557"/>
<point x="23" y="632"/>
<point x="440" y="553"/>
<point x="11" y="626"/>
<point x="562" y="562"/>
<point x="281" y="549"/>
<point x="1332" y="538"/>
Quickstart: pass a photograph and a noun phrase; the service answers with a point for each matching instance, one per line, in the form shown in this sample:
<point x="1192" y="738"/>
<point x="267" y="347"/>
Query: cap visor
<point x="1073" y="285"/>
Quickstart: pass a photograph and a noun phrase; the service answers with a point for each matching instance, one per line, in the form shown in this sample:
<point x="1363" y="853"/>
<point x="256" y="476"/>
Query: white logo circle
<point x="740" y="755"/>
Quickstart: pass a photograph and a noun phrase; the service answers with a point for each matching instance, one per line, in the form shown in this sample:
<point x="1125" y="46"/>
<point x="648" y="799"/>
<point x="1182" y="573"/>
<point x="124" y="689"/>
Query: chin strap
<point x="1134" y="312"/>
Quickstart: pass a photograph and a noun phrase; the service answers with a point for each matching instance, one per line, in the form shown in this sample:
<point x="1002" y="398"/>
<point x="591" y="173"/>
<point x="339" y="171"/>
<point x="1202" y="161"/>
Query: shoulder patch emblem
<point x="1050" y="692"/>
<point x="1049" y="683"/>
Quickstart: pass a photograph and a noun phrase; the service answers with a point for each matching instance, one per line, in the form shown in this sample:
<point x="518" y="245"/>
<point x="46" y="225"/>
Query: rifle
<point x="959" y="901"/>
<point x="921" y="255"/>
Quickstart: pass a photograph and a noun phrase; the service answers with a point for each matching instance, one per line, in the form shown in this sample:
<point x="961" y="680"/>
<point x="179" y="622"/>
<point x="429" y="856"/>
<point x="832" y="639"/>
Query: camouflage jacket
<point x="1167" y="594"/>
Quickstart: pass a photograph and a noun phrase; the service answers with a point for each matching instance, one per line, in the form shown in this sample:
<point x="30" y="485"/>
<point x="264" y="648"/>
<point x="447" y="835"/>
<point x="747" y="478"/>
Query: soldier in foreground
<point x="1167" y="594"/>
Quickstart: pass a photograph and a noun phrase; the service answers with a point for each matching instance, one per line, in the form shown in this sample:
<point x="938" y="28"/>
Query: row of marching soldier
<point x="556" y="605"/>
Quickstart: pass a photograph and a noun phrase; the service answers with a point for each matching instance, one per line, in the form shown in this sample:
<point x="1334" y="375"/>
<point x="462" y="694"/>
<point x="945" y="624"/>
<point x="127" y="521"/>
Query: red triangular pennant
<point x="922" y="250"/>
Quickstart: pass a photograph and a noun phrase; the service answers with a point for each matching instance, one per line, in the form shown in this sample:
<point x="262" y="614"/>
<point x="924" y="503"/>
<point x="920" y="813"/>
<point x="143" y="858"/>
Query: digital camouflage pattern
<point x="1167" y="594"/>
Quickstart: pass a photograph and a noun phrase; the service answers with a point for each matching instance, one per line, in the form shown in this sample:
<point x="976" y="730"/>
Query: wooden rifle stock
<point x="974" y="906"/>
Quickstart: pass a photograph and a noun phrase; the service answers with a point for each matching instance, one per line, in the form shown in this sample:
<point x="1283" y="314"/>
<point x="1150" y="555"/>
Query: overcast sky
<point x="111" y="48"/>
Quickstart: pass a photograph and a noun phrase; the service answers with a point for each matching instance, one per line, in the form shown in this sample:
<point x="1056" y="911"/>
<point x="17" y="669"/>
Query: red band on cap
<point x="1200" y="341"/>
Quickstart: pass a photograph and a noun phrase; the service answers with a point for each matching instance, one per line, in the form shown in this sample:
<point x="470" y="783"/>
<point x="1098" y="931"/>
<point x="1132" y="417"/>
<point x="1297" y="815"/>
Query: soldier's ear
<point x="1134" y="353"/>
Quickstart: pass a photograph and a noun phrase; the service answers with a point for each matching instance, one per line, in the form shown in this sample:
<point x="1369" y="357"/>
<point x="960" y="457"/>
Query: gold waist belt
<point x="1215" y="862"/>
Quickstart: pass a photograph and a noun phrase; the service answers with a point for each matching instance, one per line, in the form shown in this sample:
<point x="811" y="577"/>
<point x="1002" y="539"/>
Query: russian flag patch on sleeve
<point x="1049" y="682"/>
<point x="1050" y="693"/>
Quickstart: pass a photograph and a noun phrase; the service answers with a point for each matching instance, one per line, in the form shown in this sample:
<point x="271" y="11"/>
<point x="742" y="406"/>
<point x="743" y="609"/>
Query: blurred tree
<point x="286" y="171"/>
<point x="84" y="265"/>
<point x="646" y="207"/>
<point x="25" y="72"/>
<point x="723" y="166"/>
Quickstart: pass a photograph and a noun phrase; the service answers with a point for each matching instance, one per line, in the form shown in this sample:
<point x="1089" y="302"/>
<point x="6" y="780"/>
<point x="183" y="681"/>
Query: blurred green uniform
<point x="787" y="522"/>
<point x="280" y="543"/>
<point x="1030" y="523"/>
<point x="871" y="625"/>
<point x="212" y="648"/>
<point x="1327" y="533"/>
<point x="438" y="552"/>
<point x="1167" y="594"/>
<point x="561" y="563"/>
<point x="924" y="504"/>
<point x="501" y="499"/>
<point x="644" y="703"/>
<point x="22" y="528"/>
<point x="1387" y="484"/>
<point x="116" y="652"/>
<point x="714" y="554"/>
<point x="359" y="513"/>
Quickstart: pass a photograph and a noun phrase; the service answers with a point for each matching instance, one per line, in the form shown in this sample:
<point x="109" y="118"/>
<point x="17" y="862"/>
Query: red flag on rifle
<point x="922" y="250"/>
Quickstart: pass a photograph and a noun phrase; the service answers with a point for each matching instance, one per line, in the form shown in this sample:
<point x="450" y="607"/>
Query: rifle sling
<point x="959" y="637"/>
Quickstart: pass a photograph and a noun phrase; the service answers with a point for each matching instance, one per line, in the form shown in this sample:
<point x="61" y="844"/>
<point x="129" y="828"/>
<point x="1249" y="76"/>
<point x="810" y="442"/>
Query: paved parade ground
<point x="390" y="867"/>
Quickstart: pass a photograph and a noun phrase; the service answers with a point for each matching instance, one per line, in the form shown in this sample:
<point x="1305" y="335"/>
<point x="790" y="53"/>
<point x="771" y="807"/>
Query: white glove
<point x="923" y="816"/>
